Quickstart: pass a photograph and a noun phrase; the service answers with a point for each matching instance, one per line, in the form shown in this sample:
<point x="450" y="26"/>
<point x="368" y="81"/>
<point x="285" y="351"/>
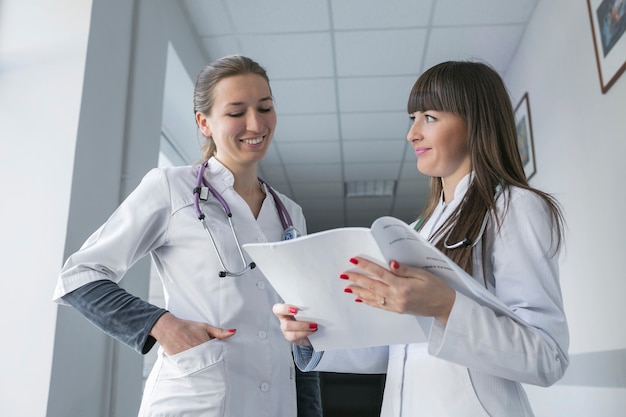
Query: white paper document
<point x="305" y="272"/>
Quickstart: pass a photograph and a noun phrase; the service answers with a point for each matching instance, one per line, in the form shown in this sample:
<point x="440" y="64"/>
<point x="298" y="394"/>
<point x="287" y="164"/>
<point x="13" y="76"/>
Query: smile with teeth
<point x="253" y="141"/>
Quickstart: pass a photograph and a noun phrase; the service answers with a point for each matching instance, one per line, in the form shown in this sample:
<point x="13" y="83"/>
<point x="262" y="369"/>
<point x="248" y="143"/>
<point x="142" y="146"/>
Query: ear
<point x="203" y="124"/>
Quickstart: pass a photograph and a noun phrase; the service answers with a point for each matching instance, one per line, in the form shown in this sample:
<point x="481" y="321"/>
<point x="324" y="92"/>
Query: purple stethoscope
<point x="201" y="192"/>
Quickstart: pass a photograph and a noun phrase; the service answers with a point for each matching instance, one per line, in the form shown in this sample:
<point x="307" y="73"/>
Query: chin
<point x="424" y="169"/>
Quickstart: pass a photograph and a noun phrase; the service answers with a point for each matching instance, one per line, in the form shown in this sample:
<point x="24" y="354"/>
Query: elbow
<point x="552" y="370"/>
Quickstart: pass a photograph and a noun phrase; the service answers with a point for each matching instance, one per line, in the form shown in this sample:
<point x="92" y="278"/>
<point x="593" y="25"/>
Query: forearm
<point x="309" y="394"/>
<point x="119" y="314"/>
<point x="477" y="338"/>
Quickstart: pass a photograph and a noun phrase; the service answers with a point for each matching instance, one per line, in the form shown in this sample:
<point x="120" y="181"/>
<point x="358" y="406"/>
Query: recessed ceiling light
<point x="371" y="188"/>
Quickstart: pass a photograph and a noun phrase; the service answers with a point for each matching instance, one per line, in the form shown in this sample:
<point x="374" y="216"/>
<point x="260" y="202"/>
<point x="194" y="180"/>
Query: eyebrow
<point x="239" y="103"/>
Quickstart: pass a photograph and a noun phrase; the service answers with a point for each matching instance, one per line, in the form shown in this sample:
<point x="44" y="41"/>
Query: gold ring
<point x="382" y="302"/>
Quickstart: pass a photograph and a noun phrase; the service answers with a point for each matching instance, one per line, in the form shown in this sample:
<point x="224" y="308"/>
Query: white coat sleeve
<point x="136" y="227"/>
<point x="526" y="272"/>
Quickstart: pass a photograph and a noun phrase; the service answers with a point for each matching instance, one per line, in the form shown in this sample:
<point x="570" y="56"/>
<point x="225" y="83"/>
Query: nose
<point x="414" y="132"/>
<point x="254" y="122"/>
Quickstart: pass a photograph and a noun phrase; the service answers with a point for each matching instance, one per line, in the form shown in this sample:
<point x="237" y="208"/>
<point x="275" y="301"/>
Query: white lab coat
<point x="249" y="374"/>
<point x="474" y="365"/>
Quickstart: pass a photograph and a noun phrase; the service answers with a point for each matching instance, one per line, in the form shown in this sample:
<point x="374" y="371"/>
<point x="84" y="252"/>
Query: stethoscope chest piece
<point x="290" y="233"/>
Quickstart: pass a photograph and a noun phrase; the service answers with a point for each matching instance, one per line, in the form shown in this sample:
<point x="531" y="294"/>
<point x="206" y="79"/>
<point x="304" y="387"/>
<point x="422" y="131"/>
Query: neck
<point x="449" y="185"/>
<point x="448" y="190"/>
<point x="250" y="189"/>
<point x="246" y="180"/>
<point x="247" y="186"/>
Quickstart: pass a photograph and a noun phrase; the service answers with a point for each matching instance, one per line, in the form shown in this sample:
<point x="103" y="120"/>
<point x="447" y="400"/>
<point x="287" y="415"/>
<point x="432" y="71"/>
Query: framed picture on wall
<point x="525" y="142"/>
<point x="608" y="27"/>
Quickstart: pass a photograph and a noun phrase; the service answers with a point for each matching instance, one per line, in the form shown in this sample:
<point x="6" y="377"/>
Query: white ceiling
<point x="340" y="72"/>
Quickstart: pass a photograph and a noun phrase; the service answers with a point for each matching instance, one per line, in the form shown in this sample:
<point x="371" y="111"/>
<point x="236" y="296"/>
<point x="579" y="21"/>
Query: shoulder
<point x="523" y="205"/>
<point x="294" y="210"/>
<point x="521" y="197"/>
<point x="286" y="200"/>
<point x="186" y="172"/>
<point x="173" y="176"/>
<point x="174" y="182"/>
<point x="290" y="204"/>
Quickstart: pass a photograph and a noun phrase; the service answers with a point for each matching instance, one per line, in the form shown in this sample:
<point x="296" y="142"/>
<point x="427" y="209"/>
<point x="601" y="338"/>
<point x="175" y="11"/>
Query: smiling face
<point x="440" y="141"/>
<point x="242" y="120"/>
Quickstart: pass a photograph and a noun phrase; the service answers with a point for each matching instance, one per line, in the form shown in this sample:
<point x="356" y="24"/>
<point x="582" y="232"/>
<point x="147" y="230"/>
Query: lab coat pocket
<point x="191" y="382"/>
<point x="193" y="360"/>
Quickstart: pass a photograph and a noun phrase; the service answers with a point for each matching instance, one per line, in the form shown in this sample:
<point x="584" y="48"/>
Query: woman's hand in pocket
<point x="177" y="335"/>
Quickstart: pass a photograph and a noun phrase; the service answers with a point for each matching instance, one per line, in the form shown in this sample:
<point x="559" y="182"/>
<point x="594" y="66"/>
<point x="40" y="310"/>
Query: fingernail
<point x="354" y="261"/>
<point x="358" y="300"/>
<point x="395" y="265"/>
<point x="347" y="290"/>
<point x="313" y="326"/>
<point x="293" y="310"/>
<point x="232" y="330"/>
<point x="343" y="276"/>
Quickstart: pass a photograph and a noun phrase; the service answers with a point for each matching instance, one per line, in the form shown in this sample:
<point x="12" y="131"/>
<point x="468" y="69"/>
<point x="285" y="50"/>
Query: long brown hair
<point x="475" y="92"/>
<point x="209" y="77"/>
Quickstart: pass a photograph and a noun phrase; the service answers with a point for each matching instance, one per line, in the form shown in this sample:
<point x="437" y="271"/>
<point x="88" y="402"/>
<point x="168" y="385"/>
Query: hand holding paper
<point x="401" y="288"/>
<point x="305" y="272"/>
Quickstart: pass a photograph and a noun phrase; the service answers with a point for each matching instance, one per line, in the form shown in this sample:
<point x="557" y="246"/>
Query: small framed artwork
<point x="524" y="127"/>
<point x="608" y="27"/>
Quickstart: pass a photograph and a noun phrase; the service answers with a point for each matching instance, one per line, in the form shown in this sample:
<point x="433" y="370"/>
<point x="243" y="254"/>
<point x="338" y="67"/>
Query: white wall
<point x="580" y="143"/>
<point x="42" y="58"/>
<point x="118" y="142"/>
<point x="80" y="118"/>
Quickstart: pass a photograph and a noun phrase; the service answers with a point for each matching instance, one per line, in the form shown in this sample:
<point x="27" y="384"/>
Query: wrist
<point x="446" y="309"/>
<point x="161" y="325"/>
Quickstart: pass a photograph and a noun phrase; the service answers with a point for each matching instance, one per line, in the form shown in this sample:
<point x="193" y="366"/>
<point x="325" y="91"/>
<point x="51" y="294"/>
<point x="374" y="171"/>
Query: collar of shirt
<point x="459" y="191"/>
<point x="443" y="209"/>
<point x="220" y="177"/>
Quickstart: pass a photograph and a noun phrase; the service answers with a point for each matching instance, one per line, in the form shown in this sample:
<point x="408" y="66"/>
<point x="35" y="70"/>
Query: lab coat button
<point x="265" y="387"/>
<point x="263" y="334"/>
<point x="260" y="285"/>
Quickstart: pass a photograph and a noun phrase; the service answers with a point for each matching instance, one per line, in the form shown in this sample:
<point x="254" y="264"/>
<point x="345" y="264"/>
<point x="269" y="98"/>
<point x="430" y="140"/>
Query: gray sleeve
<point x="309" y="394"/>
<point x="117" y="313"/>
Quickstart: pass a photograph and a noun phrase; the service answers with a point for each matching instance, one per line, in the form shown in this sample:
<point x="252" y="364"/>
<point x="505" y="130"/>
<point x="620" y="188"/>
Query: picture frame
<point x="525" y="142"/>
<point x="608" y="27"/>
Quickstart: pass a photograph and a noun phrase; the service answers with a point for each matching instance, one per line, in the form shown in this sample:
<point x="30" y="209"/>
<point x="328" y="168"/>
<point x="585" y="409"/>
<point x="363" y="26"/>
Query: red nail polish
<point x="347" y="290"/>
<point x="354" y="261"/>
<point x="395" y="265"/>
<point x="343" y="276"/>
<point x="293" y="310"/>
<point x="313" y="326"/>
<point x="232" y="330"/>
<point x="358" y="300"/>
